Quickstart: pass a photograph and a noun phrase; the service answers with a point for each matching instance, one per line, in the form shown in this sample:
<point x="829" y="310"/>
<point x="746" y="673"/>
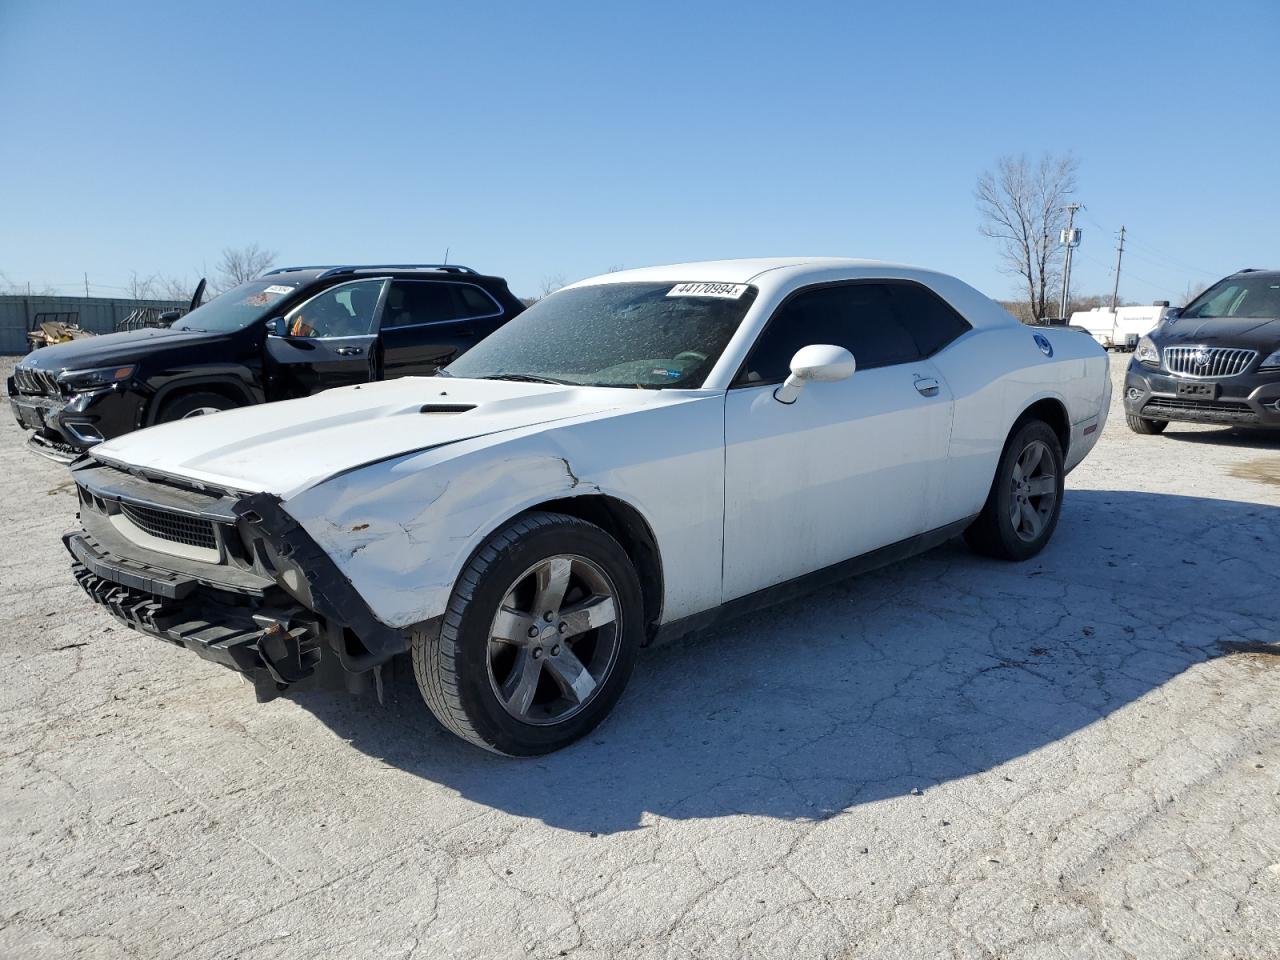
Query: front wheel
<point x="198" y="404"/>
<point x="1144" y="426"/>
<point x="1022" y="508"/>
<point x="539" y="638"/>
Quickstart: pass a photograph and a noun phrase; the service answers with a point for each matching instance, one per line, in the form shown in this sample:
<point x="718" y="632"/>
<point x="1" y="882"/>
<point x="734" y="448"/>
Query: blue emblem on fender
<point x="1043" y="343"/>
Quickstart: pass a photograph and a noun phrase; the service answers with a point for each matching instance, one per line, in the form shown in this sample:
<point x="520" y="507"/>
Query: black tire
<point x="993" y="533"/>
<point x="194" y="405"/>
<point x="453" y="667"/>
<point x="1148" y="428"/>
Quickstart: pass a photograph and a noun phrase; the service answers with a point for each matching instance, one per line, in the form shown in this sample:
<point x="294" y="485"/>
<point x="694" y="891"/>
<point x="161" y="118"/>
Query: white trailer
<point x="1123" y="328"/>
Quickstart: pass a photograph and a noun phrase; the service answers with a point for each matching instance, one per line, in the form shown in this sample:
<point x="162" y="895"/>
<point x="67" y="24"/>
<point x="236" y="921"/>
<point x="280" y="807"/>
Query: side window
<point x="475" y="302"/>
<point x="857" y="316"/>
<point x="346" y="310"/>
<point x="931" y="321"/>
<point x="413" y="302"/>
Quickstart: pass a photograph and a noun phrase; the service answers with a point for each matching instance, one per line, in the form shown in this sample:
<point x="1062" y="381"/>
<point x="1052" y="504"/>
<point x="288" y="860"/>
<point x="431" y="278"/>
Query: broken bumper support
<point x="274" y="645"/>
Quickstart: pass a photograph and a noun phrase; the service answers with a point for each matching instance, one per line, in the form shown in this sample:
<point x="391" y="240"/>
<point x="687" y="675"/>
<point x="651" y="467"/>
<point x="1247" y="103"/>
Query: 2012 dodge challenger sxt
<point x="632" y="457"/>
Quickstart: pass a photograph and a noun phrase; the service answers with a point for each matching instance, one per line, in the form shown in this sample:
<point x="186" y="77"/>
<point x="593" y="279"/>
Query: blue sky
<point x="543" y="139"/>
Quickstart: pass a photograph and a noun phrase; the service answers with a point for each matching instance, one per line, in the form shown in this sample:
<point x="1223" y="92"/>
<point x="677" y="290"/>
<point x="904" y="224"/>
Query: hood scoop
<point x="446" y="407"/>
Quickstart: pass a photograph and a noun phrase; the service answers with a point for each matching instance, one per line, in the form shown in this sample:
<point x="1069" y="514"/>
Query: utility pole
<point x="1115" y="291"/>
<point x="1070" y="240"/>
<point x="86" y="285"/>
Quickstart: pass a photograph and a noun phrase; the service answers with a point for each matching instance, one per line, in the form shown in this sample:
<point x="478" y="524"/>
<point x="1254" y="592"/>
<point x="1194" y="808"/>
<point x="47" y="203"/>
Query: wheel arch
<point x="227" y="386"/>
<point x="1052" y="411"/>
<point x="628" y="526"/>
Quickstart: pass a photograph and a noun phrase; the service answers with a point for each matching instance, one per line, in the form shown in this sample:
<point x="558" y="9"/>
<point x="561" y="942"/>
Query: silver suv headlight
<point x="1146" y="352"/>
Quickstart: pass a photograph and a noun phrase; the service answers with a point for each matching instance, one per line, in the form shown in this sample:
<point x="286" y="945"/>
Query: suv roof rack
<point x="333" y="269"/>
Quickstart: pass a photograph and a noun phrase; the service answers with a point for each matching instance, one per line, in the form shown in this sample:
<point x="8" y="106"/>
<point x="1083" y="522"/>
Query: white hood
<point x="285" y="447"/>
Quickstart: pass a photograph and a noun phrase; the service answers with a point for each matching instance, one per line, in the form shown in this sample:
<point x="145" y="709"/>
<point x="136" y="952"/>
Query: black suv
<point x="1217" y="360"/>
<point x="292" y="332"/>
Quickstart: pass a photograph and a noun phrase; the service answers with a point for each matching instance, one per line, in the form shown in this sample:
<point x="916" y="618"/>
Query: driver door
<point x="848" y="468"/>
<point x="328" y="341"/>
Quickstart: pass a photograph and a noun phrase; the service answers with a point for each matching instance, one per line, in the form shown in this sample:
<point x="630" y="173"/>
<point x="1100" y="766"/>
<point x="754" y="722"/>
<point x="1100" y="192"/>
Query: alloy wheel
<point x="554" y="640"/>
<point x="1034" y="491"/>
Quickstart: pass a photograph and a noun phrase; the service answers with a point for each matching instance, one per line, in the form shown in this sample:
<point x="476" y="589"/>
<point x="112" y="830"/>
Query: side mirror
<point x="168" y="316"/>
<point x="275" y="327"/>
<point x="816" y="363"/>
<point x="1173" y="314"/>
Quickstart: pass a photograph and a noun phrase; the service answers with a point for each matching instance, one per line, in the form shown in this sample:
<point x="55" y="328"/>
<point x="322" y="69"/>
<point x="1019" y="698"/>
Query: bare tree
<point x="550" y="284"/>
<point x="142" y="288"/>
<point x="244" y="263"/>
<point x="1021" y="204"/>
<point x="176" y="288"/>
<point x="1194" y="289"/>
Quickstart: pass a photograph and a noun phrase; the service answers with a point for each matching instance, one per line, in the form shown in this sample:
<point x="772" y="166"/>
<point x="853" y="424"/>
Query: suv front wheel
<point x="1144" y="426"/>
<point x="196" y="404"/>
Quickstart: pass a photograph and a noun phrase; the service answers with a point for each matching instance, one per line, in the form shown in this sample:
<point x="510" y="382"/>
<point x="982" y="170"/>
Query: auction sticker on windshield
<point x="725" y="291"/>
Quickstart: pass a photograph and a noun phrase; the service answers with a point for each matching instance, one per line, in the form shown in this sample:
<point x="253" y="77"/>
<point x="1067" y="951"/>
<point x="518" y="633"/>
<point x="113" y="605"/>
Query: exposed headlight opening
<point x="1270" y="363"/>
<point x="1147" y="352"/>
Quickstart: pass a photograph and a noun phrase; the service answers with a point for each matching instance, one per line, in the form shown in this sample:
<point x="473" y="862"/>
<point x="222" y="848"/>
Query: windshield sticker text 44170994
<point x="725" y="291"/>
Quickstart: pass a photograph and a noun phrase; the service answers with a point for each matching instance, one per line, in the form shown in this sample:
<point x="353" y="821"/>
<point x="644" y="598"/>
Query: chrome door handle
<point x="350" y="351"/>
<point x="927" y="386"/>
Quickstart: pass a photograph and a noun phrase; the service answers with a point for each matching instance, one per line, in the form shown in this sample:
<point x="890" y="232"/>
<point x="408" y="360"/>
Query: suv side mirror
<point x="275" y="327"/>
<point x="168" y="316"/>
<point x="816" y="363"/>
<point x="1173" y="314"/>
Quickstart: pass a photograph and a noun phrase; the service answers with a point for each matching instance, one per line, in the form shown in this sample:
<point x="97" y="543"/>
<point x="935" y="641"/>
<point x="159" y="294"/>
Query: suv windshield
<point x="238" y="307"/>
<point x="1249" y="295"/>
<point x="641" y="335"/>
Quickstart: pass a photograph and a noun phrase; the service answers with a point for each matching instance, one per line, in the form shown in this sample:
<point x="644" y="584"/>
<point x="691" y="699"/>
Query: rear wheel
<point x="539" y="639"/>
<point x="198" y="404"/>
<point x="1144" y="426"/>
<point x="1022" y="508"/>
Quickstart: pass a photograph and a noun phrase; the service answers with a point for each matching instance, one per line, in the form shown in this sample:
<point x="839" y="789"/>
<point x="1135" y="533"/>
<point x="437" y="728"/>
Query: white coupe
<point x="635" y="456"/>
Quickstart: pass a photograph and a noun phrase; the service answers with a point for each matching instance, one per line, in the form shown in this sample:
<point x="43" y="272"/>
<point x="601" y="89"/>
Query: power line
<point x="1070" y="240"/>
<point x="1169" y="260"/>
<point x="1115" y="290"/>
<point x="1159" y="285"/>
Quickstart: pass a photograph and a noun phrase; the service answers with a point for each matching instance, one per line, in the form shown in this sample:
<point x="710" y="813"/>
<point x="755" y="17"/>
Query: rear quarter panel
<point x="995" y="375"/>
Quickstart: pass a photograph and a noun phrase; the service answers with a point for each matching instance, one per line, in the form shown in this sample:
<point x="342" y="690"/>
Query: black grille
<point x="174" y="527"/>
<point x="1233" y="410"/>
<point x="35" y="382"/>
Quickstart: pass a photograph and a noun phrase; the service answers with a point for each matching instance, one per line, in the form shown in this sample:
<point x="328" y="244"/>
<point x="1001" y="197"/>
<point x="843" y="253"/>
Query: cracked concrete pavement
<point x="953" y="757"/>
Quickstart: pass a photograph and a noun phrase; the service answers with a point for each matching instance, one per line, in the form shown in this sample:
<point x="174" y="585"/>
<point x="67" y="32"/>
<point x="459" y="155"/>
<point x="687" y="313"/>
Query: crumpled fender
<point x="401" y="530"/>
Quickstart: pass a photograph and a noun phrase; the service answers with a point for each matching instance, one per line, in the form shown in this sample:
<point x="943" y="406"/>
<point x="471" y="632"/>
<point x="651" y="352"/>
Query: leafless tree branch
<point x="1021" y="205"/>
<point x="243" y="263"/>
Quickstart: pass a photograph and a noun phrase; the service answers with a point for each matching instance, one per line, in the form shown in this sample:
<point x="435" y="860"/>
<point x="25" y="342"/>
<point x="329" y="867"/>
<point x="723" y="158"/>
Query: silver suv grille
<point x="174" y="527"/>
<point x="35" y="382"/>
<point x="1207" y="362"/>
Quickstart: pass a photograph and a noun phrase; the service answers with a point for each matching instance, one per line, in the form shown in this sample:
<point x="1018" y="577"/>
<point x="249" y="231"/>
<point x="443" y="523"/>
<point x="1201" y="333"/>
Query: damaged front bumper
<point x="232" y="578"/>
<point x="64" y="427"/>
<point x="274" y="646"/>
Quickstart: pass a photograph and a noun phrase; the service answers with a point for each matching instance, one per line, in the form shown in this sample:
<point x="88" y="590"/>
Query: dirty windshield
<point x="1254" y="296"/>
<point x="238" y="307"/>
<point x="641" y="335"/>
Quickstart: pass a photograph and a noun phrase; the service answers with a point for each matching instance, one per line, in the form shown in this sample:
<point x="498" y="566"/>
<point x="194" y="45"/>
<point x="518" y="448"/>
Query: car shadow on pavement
<point x="1250" y="439"/>
<point x="941" y="667"/>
